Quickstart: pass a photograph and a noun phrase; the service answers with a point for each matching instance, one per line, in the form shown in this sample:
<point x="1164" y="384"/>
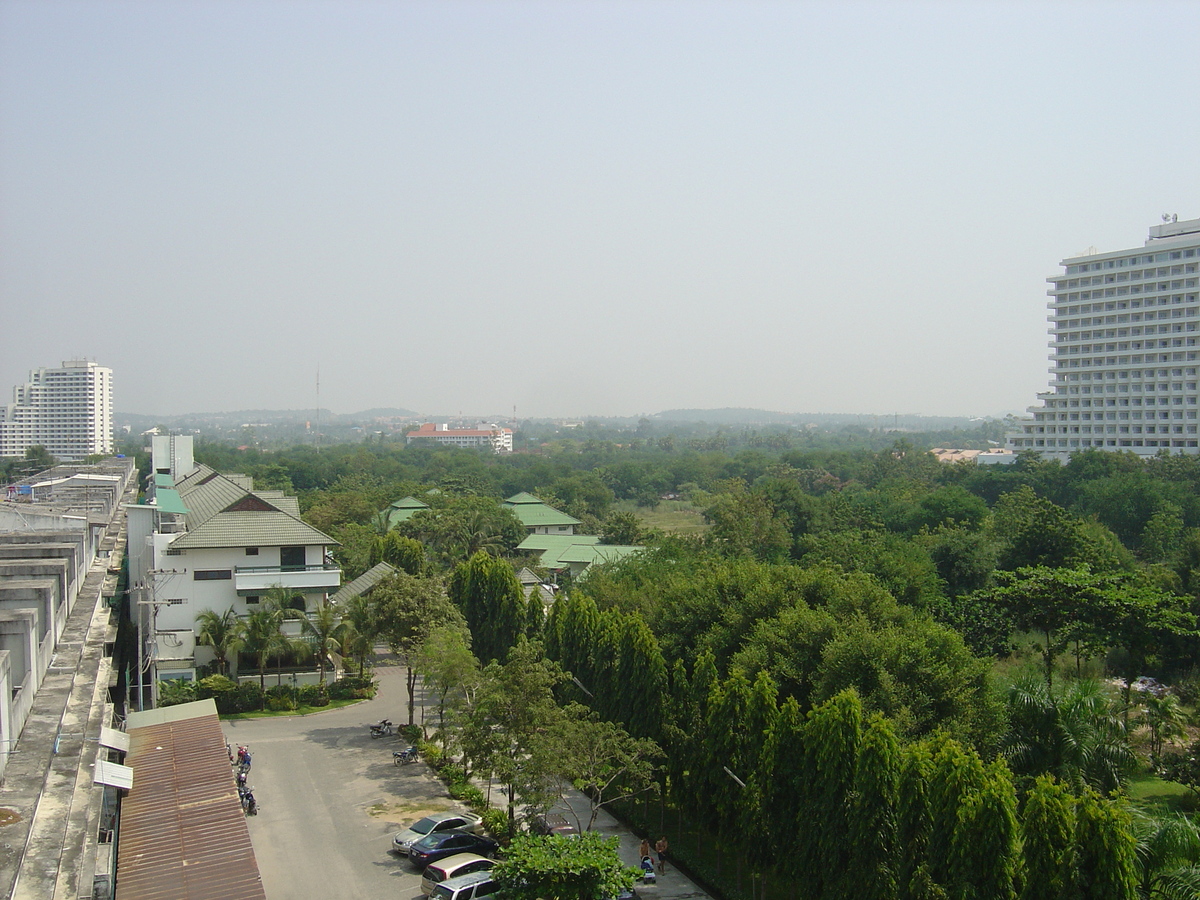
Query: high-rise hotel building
<point x="68" y="410"/>
<point x="1124" y="329"/>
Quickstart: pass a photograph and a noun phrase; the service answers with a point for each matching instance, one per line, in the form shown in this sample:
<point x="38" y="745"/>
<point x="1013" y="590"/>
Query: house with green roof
<point x="539" y="517"/>
<point x="574" y="553"/>
<point x="402" y="510"/>
<point x="208" y="541"/>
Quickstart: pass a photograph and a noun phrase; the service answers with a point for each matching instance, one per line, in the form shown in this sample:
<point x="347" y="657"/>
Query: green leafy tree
<point x="505" y="730"/>
<point x="913" y="818"/>
<point x="623" y="528"/>
<point x="745" y="524"/>
<point x="405" y="610"/>
<point x="584" y="867"/>
<point x="449" y="670"/>
<point x="405" y="553"/>
<point x="832" y="739"/>
<point x="264" y="638"/>
<point x="1164" y="718"/>
<point x="221" y="631"/>
<point x="1168" y="852"/>
<point x="956" y="775"/>
<point x="602" y="760"/>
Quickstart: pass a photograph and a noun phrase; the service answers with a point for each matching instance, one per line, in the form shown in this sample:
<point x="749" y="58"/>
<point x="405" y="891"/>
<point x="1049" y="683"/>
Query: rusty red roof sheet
<point x="183" y="834"/>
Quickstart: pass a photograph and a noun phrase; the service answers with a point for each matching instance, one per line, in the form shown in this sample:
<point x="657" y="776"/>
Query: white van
<point x="452" y="867"/>
<point x="476" y="886"/>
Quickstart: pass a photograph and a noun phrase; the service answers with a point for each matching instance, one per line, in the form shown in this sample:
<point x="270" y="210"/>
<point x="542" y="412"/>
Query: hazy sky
<point x="575" y="207"/>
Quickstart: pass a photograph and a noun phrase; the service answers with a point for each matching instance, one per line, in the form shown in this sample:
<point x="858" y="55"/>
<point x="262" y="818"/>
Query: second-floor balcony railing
<point x="260" y="579"/>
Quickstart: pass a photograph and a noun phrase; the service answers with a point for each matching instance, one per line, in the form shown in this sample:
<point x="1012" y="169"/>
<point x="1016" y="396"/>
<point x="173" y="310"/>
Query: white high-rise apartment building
<point x="1124" y="327"/>
<point x="67" y="410"/>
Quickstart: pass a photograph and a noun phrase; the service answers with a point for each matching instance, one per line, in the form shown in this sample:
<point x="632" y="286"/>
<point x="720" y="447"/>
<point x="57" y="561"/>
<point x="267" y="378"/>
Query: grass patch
<point x="1155" y="795"/>
<point x="669" y="517"/>
<point x="301" y="711"/>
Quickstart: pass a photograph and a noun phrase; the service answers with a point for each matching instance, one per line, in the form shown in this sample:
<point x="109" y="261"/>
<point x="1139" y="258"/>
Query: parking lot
<point x="330" y="799"/>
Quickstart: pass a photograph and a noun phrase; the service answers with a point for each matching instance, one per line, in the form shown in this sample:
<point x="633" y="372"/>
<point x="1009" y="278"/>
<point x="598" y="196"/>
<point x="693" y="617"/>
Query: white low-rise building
<point x="206" y="541"/>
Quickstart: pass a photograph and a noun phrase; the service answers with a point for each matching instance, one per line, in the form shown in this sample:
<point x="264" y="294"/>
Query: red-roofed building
<point x="497" y="438"/>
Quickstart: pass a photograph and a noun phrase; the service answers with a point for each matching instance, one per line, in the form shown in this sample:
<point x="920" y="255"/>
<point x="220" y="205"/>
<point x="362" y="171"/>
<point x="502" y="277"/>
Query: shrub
<point x="246" y="698"/>
<point x="453" y="774"/>
<point x="495" y="821"/>
<point x="281" y="698"/>
<point x="432" y="754"/>
<point x="352" y="687"/>
<point x="468" y="794"/>
<point x="313" y="695"/>
<point x="411" y="733"/>
<point x="173" y="691"/>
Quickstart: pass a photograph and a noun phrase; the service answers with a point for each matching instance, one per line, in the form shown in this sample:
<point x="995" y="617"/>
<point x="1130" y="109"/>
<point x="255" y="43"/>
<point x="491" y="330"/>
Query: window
<point x="252" y="600"/>
<point x="212" y="575"/>
<point x="291" y="557"/>
<point x="252" y="551"/>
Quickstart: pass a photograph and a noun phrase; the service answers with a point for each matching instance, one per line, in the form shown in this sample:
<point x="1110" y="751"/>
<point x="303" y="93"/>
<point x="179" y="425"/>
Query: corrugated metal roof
<point x="168" y="500"/>
<point x="183" y="835"/>
<point x="557" y="542"/>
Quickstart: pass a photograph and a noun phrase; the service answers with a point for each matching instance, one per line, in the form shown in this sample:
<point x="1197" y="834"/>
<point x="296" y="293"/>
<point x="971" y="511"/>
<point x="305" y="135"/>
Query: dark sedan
<point x="441" y="844"/>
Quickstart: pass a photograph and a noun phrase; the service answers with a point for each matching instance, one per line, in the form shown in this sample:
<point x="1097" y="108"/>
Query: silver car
<point x="447" y="821"/>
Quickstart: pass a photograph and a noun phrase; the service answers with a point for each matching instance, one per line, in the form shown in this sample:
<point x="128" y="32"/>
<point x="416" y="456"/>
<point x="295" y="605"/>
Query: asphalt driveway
<point x="330" y="799"/>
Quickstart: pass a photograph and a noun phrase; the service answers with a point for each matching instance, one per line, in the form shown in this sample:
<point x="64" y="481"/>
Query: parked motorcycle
<point x="384" y="727"/>
<point x="249" y="804"/>
<point x="404" y="757"/>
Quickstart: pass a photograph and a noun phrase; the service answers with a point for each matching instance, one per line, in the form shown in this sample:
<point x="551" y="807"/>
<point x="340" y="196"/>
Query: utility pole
<point x="145" y="656"/>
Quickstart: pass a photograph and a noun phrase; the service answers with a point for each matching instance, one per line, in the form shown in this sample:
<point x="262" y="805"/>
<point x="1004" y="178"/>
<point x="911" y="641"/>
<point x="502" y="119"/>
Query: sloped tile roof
<point x="363" y="583"/>
<point x="251" y="528"/>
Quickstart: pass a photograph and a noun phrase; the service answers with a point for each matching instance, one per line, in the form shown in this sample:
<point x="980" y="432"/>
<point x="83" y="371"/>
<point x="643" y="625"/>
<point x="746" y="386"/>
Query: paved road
<point x="330" y="799"/>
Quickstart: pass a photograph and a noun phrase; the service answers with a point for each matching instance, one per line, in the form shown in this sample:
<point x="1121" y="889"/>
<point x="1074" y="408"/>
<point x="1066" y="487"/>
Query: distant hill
<point x="739" y="416"/>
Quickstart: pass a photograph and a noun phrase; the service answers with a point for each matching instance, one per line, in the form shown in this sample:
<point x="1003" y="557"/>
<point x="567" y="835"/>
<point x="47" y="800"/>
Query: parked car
<point x="447" y="821"/>
<point x="452" y="867"/>
<point x="440" y="844"/>
<point x="552" y="823"/>
<point x="476" y="886"/>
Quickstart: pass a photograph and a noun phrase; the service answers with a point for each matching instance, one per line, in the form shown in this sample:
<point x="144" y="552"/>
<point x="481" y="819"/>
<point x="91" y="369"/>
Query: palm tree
<point x="361" y="631"/>
<point x="1165" y="718"/>
<point x="223" y="632"/>
<point x="1168" y="852"/>
<point x="324" y="631"/>
<point x="1078" y="736"/>
<point x="264" y="638"/>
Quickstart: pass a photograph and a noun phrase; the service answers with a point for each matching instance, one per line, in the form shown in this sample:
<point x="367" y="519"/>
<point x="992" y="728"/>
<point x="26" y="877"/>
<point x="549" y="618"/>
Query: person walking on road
<point x="643" y="849"/>
<point x="661" y="848"/>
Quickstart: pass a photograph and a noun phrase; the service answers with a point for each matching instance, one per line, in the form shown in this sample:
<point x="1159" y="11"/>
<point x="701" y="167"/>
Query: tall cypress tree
<point x="957" y="774"/>
<point x="490" y="597"/>
<point x="913" y="818"/>
<point x="642" y="677"/>
<point x="984" y="857"/>
<point x="1105" y="850"/>
<point x="873" y="813"/>
<point x="1048" y="830"/>
<point x="831" y="743"/>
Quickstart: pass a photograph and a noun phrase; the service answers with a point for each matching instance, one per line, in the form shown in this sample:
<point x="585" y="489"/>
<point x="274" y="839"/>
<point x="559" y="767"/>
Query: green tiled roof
<point x="552" y="546"/>
<point x="363" y="582"/>
<point x="402" y="510"/>
<point x="597" y="553"/>
<point x="523" y="497"/>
